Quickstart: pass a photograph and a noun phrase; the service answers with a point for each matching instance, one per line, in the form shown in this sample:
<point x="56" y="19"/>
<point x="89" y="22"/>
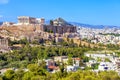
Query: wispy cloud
<point x="4" y="1"/>
<point x="1" y="16"/>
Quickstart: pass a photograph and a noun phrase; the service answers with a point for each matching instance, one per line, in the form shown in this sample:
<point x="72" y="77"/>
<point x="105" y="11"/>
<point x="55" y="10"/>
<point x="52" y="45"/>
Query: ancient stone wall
<point x="3" y="43"/>
<point x="59" y="29"/>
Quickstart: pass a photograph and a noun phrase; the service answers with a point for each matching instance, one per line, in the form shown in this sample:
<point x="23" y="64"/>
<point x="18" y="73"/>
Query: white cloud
<point x="4" y="1"/>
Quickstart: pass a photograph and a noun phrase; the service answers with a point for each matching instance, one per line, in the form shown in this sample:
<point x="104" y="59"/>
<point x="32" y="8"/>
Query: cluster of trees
<point x="113" y="46"/>
<point x="68" y="43"/>
<point x="27" y="57"/>
<point x="28" y="54"/>
<point x="110" y="46"/>
<point x="22" y="41"/>
<point x="114" y="34"/>
<point x="39" y="73"/>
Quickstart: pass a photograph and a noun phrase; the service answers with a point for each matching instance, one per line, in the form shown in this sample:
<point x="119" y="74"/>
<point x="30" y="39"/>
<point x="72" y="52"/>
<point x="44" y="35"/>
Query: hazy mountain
<point x="89" y="25"/>
<point x="93" y="26"/>
<point x="1" y="23"/>
<point x="60" y="21"/>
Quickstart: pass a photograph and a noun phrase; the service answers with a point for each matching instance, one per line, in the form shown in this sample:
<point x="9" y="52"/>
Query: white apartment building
<point x="106" y="66"/>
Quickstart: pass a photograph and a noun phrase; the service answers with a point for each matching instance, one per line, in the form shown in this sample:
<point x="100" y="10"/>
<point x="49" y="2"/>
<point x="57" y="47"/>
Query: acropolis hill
<point x="29" y="27"/>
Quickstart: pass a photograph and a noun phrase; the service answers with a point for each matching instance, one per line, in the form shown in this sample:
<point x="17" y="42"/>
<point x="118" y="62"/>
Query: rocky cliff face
<point x="59" y="26"/>
<point x="34" y="31"/>
<point x="59" y="29"/>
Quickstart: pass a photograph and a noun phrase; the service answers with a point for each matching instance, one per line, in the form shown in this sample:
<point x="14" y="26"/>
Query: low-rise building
<point x="96" y="56"/>
<point x="61" y="59"/>
<point x="76" y="62"/>
<point x="106" y="66"/>
<point x="90" y="63"/>
<point x="71" y="68"/>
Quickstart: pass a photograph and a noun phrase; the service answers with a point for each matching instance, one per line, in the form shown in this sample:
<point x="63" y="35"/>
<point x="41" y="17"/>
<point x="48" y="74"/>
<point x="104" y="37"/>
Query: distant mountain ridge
<point x="93" y="26"/>
<point x="89" y="25"/>
<point x="1" y="23"/>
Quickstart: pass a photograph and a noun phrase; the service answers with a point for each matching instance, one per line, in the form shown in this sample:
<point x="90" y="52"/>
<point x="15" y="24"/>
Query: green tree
<point x="27" y="76"/>
<point x="38" y="78"/>
<point x="33" y="67"/>
<point x="115" y="77"/>
<point x="1" y="78"/>
<point x="74" y="76"/>
<point x="19" y="74"/>
<point x="107" y="60"/>
<point x="9" y="75"/>
<point x="51" y="22"/>
<point x="70" y="61"/>
<point x="89" y="78"/>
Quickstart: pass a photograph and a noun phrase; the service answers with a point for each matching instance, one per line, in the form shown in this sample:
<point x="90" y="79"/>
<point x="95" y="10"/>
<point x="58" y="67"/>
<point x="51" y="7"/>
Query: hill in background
<point x="1" y="23"/>
<point x="93" y="26"/>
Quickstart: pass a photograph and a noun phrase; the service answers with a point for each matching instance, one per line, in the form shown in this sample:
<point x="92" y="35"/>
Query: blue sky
<point x="106" y="12"/>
